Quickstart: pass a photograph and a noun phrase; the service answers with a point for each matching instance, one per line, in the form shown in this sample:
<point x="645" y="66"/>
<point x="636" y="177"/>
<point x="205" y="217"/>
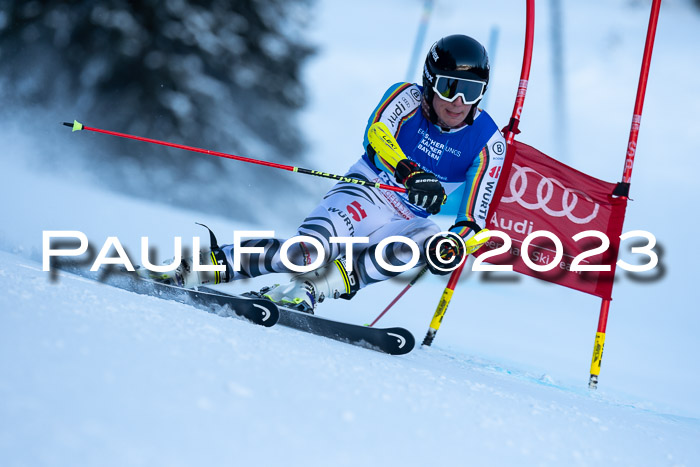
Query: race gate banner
<point x="538" y="193"/>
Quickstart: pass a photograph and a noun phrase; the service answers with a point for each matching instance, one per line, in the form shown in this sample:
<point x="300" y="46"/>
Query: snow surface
<point x="93" y="375"/>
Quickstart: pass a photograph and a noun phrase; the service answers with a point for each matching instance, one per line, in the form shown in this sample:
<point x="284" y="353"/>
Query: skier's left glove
<point x="424" y="189"/>
<point x="444" y="253"/>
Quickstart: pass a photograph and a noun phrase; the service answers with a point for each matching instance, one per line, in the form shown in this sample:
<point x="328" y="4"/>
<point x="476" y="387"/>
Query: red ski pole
<point x="401" y="294"/>
<point x="77" y="126"/>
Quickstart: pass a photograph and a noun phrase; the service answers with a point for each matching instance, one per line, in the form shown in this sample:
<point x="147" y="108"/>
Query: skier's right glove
<point x="444" y="253"/>
<point x="424" y="189"/>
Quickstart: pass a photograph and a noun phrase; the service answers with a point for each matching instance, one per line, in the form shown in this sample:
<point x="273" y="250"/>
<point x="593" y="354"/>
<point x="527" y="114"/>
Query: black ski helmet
<point x="457" y="56"/>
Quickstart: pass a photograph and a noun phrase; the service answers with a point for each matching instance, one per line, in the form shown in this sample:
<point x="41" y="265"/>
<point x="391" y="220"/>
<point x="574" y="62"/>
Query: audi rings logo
<point x="576" y="205"/>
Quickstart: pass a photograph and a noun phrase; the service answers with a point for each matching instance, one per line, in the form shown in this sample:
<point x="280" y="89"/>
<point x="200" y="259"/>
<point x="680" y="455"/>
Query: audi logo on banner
<point x="576" y="205"/>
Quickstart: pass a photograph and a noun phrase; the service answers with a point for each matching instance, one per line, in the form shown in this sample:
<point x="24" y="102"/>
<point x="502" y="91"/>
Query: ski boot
<point x="184" y="275"/>
<point x="306" y="290"/>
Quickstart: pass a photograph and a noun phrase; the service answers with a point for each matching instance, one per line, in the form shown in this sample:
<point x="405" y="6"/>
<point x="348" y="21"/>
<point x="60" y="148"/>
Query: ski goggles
<point x="448" y="89"/>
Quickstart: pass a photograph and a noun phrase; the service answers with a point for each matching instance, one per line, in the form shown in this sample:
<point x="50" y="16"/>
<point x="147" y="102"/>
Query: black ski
<point x="394" y="341"/>
<point x="256" y="310"/>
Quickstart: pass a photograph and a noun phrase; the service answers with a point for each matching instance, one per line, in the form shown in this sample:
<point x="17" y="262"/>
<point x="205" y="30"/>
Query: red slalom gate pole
<point x="77" y="126"/>
<point x="512" y="128"/>
<point x="624" y="186"/>
<point x="510" y="131"/>
<point x="641" y="92"/>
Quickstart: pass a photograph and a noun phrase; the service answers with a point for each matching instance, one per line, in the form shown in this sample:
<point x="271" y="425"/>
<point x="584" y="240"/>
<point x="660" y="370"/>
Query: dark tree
<point x="218" y="74"/>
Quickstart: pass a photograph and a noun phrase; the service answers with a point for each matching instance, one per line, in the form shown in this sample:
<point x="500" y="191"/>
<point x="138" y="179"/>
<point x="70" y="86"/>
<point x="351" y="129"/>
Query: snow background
<point x="91" y="375"/>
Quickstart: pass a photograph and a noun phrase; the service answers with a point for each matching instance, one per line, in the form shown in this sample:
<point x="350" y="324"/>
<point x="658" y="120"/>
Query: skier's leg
<point x="185" y="275"/>
<point x="335" y="281"/>
<point x="348" y="210"/>
<point x="342" y="213"/>
<point x="417" y="230"/>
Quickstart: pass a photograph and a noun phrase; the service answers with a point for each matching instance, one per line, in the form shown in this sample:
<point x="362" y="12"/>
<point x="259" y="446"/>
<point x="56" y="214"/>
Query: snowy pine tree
<point x="215" y="74"/>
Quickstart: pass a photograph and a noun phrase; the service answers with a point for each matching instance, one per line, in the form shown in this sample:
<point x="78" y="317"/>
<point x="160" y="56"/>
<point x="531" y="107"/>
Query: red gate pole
<point x="624" y="186"/>
<point x="510" y="131"/>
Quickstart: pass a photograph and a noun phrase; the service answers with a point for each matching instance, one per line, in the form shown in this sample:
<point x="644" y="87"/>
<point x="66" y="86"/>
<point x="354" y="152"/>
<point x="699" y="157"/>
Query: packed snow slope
<point x="93" y="375"/>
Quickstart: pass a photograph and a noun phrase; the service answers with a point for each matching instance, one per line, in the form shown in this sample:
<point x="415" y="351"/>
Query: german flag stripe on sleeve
<point x="388" y="97"/>
<point x="472" y="191"/>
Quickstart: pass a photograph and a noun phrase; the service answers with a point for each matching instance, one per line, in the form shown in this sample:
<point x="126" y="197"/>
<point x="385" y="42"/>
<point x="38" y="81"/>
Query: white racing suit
<point x="469" y="157"/>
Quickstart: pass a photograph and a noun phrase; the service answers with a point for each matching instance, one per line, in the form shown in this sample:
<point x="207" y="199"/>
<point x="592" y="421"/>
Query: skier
<point x="448" y="143"/>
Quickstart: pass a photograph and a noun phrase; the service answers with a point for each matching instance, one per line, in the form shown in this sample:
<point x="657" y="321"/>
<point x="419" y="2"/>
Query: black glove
<point x="444" y="253"/>
<point x="424" y="189"/>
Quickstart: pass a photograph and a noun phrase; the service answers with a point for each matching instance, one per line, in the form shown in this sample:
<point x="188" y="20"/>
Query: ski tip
<point x="76" y="125"/>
